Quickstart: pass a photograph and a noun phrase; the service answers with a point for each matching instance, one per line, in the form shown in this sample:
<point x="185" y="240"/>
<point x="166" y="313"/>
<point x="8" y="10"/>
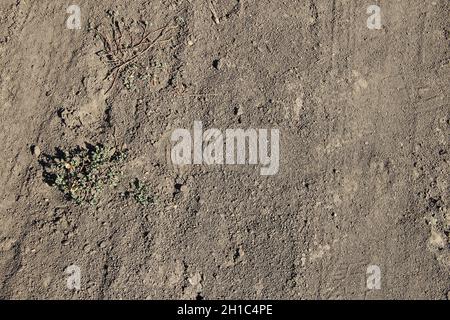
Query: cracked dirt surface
<point x="364" y="158"/>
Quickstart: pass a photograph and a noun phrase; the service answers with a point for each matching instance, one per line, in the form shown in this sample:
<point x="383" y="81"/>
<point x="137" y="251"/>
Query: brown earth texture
<point x="358" y="208"/>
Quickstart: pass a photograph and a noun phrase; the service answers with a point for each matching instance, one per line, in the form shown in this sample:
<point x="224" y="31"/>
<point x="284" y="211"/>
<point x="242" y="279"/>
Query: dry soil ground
<point x="364" y="158"/>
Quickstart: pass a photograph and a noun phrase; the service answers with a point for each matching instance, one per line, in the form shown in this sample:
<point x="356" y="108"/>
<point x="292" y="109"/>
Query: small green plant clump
<point x="83" y="173"/>
<point x="140" y="193"/>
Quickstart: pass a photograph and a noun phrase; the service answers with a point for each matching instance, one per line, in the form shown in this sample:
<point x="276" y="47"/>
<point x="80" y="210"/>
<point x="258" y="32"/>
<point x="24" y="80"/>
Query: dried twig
<point x="119" y="54"/>
<point x="215" y="16"/>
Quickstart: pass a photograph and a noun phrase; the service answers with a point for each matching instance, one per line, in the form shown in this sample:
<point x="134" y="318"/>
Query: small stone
<point x="218" y="64"/>
<point x="36" y="151"/>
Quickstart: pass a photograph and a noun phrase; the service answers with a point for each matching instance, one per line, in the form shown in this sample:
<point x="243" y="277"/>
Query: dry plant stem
<point x="116" y="51"/>
<point x="116" y="75"/>
<point x="105" y="41"/>
<point x="116" y="69"/>
<point x="144" y="39"/>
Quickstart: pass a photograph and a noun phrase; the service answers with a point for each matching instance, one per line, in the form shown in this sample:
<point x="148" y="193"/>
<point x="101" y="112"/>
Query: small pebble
<point x="218" y="64"/>
<point x="35" y="150"/>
